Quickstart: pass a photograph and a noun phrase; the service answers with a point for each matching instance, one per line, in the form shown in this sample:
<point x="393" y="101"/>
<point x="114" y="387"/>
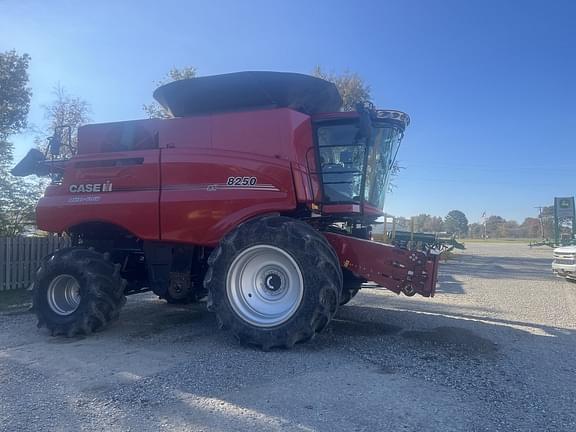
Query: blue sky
<point x="490" y="85"/>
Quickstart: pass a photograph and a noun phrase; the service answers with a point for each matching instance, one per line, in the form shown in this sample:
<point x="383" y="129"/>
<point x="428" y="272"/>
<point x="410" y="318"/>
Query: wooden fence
<point x="20" y="257"/>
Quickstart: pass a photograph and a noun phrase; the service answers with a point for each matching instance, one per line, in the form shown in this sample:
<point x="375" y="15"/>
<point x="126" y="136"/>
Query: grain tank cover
<point x="248" y="90"/>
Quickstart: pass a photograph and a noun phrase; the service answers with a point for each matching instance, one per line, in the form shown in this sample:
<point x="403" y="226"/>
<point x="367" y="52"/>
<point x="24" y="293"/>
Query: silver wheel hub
<point x="64" y="294"/>
<point x="264" y="286"/>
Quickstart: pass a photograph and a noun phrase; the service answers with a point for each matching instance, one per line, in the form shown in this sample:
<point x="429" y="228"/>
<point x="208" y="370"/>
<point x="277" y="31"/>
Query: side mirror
<point x="54" y="145"/>
<point x="365" y="124"/>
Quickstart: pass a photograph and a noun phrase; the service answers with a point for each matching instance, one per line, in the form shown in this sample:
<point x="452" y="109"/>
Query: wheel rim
<point x="264" y="286"/>
<point x="64" y="294"/>
<point x="177" y="292"/>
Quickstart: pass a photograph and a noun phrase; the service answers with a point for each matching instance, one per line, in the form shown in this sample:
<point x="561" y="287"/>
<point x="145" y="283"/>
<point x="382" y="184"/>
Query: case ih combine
<point x="258" y="194"/>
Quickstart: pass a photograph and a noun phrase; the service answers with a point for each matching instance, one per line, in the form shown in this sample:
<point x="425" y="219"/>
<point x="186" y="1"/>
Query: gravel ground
<point x="495" y="350"/>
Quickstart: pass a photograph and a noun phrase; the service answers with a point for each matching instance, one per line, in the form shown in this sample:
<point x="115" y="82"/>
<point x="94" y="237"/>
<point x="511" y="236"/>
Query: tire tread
<point x="103" y="291"/>
<point x="310" y="249"/>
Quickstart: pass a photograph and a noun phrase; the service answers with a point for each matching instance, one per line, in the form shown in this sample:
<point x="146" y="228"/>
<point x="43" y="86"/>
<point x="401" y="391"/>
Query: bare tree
<point x="351" y="86"/>
<point x="154" y="109"/>
<point x="64" y="110"/>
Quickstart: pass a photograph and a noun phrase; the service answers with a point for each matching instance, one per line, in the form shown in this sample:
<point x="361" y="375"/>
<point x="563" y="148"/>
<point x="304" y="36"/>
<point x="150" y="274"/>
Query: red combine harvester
<point x="259" y="195"/>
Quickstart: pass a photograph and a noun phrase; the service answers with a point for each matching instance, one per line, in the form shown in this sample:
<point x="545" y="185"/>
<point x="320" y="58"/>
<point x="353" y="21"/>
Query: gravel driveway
<point x="495" y="350"/>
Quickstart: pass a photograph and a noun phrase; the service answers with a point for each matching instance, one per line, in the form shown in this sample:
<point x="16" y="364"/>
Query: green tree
<point x="154" y="109"/>
<point x="456" y="222"/>
<point x="5" y="184"/>
<point x="510" y="229"/>
<point x="476" y="230"/>
<point x="531" y="228"/>
<point x="494" y="226"/>
<point x="426" y="223"/>
<point x="14" y="93"/>
<point x="17" y="196"/>
<point x="353" y="89"/>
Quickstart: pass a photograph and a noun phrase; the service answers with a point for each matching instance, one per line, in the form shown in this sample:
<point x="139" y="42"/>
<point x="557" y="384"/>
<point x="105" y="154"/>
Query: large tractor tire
<point x="273" y="282"/>
<point x="77" y="291"/>
<point x="350" y="287"/>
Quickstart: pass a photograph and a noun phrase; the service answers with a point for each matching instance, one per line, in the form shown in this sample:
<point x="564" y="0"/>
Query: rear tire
<point x="77" y="291"/>
<point x="273" y="282"/>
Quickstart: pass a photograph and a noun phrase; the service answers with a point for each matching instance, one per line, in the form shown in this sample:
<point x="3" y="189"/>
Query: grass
<point x="499" y="240"/>
<point x="15" y="300"/>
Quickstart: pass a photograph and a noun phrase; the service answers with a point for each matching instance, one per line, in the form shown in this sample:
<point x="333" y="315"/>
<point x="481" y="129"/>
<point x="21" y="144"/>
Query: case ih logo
<point x="91" y="187"/>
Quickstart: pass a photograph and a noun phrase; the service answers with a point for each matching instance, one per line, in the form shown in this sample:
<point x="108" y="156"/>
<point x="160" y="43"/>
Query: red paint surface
<point x="387" y="265"/>
<point x="179" y="192"/>
<point x="133" y="203"/>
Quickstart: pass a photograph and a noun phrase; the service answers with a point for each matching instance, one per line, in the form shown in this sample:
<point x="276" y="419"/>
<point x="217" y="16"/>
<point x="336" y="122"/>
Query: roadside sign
<point x="564" y="207"/>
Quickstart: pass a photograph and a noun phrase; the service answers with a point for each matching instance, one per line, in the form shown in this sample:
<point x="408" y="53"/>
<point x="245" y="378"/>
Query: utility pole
<point x="540" y="208"/>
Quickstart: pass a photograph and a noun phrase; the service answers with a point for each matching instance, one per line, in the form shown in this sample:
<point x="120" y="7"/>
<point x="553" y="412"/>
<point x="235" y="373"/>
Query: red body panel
<point x="132" y="204"/>
<point x="197" y="205"/>
<point x="399" y="270"/>
<point x="171" y="183"/>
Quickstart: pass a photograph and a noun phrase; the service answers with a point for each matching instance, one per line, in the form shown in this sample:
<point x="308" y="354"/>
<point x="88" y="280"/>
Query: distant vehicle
<point x="564" y="264"/>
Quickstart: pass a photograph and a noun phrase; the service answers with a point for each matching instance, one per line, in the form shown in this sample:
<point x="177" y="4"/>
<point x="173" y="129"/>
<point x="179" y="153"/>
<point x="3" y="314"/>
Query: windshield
<point x="342" y="154"/>
<point x="384" y="144"/>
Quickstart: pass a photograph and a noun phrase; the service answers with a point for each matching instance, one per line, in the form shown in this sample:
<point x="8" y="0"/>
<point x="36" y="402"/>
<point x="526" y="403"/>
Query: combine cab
<point x="258" y="195"/>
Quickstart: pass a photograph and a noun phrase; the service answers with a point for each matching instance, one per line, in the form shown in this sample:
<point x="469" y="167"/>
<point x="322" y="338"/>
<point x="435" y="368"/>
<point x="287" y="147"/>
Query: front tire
<point x="77" y="291"/>
<point x="274" y="282"/>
